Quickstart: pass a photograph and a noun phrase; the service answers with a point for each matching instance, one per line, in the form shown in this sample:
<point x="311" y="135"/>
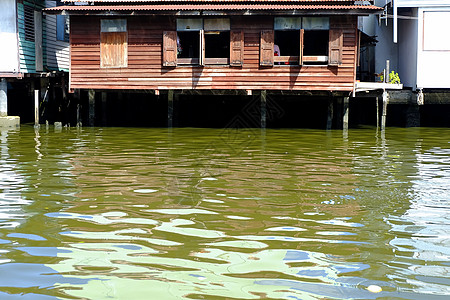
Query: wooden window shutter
<point x="113" y="49"/>
<point x="335" y="47"/>
<point x="169" y="48"/>
<point x="300" y="55"/>
<point x="266" y="48"/>
<point x="236" y="48"/>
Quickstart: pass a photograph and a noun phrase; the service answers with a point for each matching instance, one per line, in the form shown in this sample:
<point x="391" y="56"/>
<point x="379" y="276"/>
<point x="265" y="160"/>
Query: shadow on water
<point x="124" y="213"/>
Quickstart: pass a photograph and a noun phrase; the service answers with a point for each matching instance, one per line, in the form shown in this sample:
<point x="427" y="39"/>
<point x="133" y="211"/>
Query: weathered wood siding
<point x="145" y="62"/>
<point x="56" y="54"/>
<point x="27" y="49"/>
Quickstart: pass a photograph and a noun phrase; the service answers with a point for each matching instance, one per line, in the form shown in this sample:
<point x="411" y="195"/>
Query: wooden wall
<point x="145" y="70"/>
<point x="56" y="52"/>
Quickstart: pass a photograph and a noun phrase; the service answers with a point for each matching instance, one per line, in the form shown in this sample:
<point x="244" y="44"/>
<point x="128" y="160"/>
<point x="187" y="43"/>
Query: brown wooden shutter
<point x="170" y="49"/>
<point x="113" y="49"/>
<point x="236" y="48"/>
<point x="266" y="48"/>
<point x="300" y="56"/>
<point x="335" y="47"/>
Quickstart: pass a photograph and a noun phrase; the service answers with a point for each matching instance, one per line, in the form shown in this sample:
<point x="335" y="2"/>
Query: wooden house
<point x="257" y="45"/>
<point x="33" y="47"/>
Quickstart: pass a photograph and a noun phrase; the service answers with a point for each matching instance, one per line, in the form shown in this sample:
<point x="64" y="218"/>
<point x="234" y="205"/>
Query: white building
<point x="413" y="35"/>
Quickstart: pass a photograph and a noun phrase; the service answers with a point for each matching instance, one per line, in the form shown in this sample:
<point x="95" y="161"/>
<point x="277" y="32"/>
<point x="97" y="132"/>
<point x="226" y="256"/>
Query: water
<point x="126" y="213"/>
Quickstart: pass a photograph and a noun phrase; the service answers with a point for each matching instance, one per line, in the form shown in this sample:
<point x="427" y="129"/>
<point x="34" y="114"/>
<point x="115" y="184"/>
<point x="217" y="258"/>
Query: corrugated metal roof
<point x="209" y="7"/>
<point x="131" y="1"/>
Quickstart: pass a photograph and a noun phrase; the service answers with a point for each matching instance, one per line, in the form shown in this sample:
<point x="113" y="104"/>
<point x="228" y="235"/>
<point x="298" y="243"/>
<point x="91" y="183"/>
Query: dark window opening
<point x="316" y="43"/>
<point x="62" y="28"/>
<point x="29" y="23"/>
<point x="188" y="44"/>
<point x="288" y="42"/>
<point x="217" y="44"/>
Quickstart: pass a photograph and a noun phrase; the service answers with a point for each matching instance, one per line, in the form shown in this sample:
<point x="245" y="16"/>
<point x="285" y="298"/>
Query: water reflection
<point x="219" y="214"/>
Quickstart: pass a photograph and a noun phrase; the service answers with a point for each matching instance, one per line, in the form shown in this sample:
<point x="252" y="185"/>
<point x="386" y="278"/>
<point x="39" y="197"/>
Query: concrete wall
<point x="9" y="60"/>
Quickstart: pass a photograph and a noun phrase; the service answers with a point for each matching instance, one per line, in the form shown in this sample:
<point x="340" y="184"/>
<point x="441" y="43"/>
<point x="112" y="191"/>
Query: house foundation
<point x="5" y="120"/>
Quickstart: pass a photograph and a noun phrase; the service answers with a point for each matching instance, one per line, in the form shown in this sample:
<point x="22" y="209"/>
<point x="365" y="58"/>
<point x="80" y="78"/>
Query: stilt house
<point x="33" y="47"/>
<point x="296" y="45"/>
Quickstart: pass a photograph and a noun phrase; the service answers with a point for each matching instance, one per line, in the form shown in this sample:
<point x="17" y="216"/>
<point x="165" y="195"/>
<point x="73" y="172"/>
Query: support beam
<point x="104" y="98"/>
<point x="330" y="113"/>
<point x="3" y="98"/>
<point x="170" y="109"/>
<point x="345" y="113"/>
<point x="77" y="96"/>
<point x="91" y="95"/>
<point x="263" y="109"/>
<point x="36" y="108"/>
<point x="384" y="113"/>
<point x="378" y="112"/>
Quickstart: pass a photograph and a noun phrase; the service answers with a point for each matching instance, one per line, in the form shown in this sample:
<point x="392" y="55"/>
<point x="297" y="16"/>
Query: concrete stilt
<point x="170" y="109"/>
<point x="91" y="95"/>
<point x="384" y="113"/>
<point x="104" y="97"/>
<point x="413" y="115"/>
<point x="5" y="120"/>
<point x="263" y="109"/>
<point x="330" y="113"/>
<point x="378" y="112"/>
<point x="345" y="113"/>
<point x="3" y="98"/>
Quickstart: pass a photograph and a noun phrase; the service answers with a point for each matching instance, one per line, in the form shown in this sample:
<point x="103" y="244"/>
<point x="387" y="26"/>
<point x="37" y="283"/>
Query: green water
<point x="137" y="213"/>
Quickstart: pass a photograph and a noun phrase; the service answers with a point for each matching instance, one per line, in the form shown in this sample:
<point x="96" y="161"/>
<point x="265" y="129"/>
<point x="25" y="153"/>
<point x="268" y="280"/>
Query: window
<point x="203" y="42"/>
<point x="315" y="40"/>
<point x="287" y="37"/>
<point x="301" y="41"/>
<point x="113" y="43"/>
<point x="433" y="24"/>
<point x="62" y="26"/>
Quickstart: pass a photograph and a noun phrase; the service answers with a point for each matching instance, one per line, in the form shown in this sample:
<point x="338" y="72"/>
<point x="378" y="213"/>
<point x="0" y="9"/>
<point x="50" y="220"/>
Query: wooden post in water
<point x="77" y="96"/>
<point x="36" y="108"/>
<point x="170" y="109"/>
<point x="263" y="109"/>
<point x="384" y="113"/>
<point x="91" y="94"/>
<point x="330" y="113"/>
<point x="378" y="112"/>
<point x="104" y="97"/>
<point x="345" y="113"/>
